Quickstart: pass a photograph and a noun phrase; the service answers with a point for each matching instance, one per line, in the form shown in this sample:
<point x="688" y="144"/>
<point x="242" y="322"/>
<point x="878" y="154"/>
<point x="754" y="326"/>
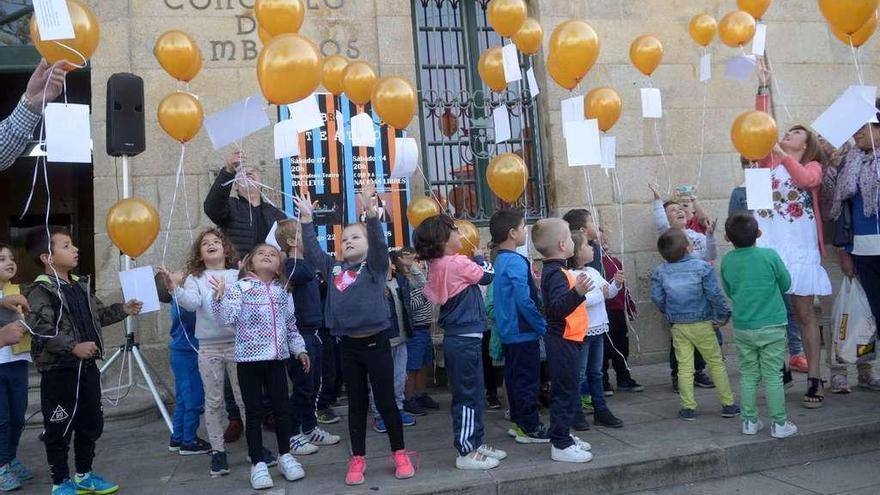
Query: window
<point x="458" y="137"/>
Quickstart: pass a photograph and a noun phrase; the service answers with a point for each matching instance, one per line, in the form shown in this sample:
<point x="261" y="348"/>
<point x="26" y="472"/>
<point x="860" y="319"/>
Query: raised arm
<point x="217" y="201"/>
<point x="189" y="297"/>
<point x="807" y="176"/>
<point x="377" y="252"/>
<point x="228" y="308"/>
<point x="312" y="251"/>
<point x="660" y="219"/>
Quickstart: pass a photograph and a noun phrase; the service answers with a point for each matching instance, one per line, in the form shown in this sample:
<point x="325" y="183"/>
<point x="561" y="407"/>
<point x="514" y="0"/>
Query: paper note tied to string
<point x="53" y="20"/>
<point x="759" y="41"/>
<point x="609" y="152"/>
<point x="286" y="139"/>
<point x="362" y="131"/>
<point x="271" y="240"/>
<point x="501" y="118"/>
<point x="534" y="89"/>
<point x="572" y="110"/>
<point x="68" y="133"/>
<point x="706" y="67"/>
<point x="849" y="112"/>
<point x="582" y="143"/>
<point x="139" y="284"/>
<point x="511" y="63"/>
<point x="759" y="189"/>
<point x="306" y="114"/>
<point x="652" y="103"/>
<point x="406" y="157"/>
<point x="236" y="121"/>
<point x="740" y="68"/>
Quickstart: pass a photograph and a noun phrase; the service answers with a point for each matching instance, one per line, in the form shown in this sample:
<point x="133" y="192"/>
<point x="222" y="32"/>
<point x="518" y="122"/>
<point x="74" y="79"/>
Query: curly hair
<point x="431" y="236"/>
<point x="196" y="266"/>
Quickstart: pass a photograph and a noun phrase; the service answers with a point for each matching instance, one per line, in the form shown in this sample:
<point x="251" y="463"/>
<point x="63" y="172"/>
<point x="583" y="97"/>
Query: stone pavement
<point x="654" y="450"/>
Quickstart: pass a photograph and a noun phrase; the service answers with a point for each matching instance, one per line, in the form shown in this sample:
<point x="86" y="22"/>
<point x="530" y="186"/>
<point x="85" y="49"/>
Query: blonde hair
<point x="288" y="229"/>
<point x="547" y="233"/>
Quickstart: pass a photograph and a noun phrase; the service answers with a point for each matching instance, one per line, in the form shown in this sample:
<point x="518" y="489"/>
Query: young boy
<point x="567" y="323"/>
<point x="696" y="218"/>
<point x="303" y="281"/>
<point x="69" y="342"/>
<point x="686" y="291"/>
<point x="755" y="279"/>
<point x="519" y="324"/>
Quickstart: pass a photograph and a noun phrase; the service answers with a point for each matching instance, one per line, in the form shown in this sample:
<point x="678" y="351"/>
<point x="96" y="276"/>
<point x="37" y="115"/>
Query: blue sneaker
<point x="8" y="480"/>
<point x="95" y="484"/>
<point x="379" y="424"/>
<point x="407" y="419"/>
<point x="22" y="472"/>
<point x="66" y="488"/>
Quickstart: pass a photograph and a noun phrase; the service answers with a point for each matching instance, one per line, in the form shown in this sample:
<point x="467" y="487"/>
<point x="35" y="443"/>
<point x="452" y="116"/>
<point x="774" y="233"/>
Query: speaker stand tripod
<point x="130" y="349"/>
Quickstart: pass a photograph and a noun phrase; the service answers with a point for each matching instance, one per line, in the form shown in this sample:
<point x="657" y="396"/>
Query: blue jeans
<point x="13" y="407"/>
<point x="306" y="386"/>
<point x="590" y="369"/>
<point x="795" y="344"/>
<point x="189" y="396"/>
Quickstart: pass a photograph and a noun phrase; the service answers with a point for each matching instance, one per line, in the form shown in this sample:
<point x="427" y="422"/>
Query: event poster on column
<point x="332" y="170"/>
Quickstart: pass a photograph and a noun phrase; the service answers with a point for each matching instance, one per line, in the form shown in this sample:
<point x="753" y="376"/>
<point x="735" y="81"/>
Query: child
<point x="520" y="325"/>
<point x="695" y="217"/>
<point x="356" y="311"/>
<point x="581" y="220"/>
<point x="66" y="344"/>
<point x="302" y="280"/>
<point x="262" y="314"/>
<point x="189" y="395"/>
<point x="14" y="383"/>
<point x="686" y="291"/>
<point x="755" y="279"/>
<point x="211" y="257"/>
<point x="567" y="322"/>
<point x="593" y="353"/>
<point x="452" y="283"/>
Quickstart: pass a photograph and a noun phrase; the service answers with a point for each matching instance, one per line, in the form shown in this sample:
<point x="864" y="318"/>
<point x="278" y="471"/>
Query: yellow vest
<point x="25" y="344"/>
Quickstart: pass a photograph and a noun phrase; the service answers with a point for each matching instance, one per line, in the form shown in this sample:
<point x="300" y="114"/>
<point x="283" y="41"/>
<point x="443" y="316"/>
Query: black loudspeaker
<point x="125" y="115"/>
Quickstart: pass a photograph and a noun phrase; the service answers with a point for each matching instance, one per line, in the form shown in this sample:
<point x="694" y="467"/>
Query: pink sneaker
<point x="403" y="466"/>
<point x="798" y="363"/>
<point x="356" y="467"/>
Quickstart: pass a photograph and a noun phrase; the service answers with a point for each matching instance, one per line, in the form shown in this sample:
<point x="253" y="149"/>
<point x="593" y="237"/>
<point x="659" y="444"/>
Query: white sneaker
<point x="583" y="444"/>
<point x="260" y="477"/>
<point x="752" y="427"/>
<point x="571" y="454"/>
<point x="476" y="461"/>
<point x="290" y="468"/>
<point x="300" y="445"/>
<point x="491" y="452"/>
<point x="321" y="437"/>
<point x="783" y="431"/>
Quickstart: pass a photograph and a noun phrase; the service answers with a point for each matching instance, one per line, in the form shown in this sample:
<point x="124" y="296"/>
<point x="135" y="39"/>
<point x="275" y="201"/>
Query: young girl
<point x="357" y="312"/>
<point x="212" y="257"/>
<point x="452" y="283"/>
<point x="14" y="373"/>
<point x="592" y="354"/>
<point x="261" y="310"/>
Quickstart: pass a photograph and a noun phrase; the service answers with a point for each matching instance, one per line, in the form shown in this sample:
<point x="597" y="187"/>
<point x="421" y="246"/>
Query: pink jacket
<point x="449" y="275"/>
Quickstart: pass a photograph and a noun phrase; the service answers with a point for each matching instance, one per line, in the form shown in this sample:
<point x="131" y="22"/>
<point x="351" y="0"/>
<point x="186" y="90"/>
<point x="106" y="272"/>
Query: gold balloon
<point x="491" y="69"/>
<point x="133" y="225"/>
<point x="78" y="50"/>
<point x="646" y="53"/>
<point x="289" y="68"/>
<point x="736" y="28"/>
<point x="506" y="16"/>
<point x="702" y="29"/>
<point x="755" y="8"/>
<point x="280" y="16"/>
<point x="507" y="176"/>
<point x="470" y="237"/>
<point x="394" y="99"/>
<point x="574" y="46"/>
<point x="334" y="69"/>
<point x="178" y="54"/>
<point x="529" y="37"/>
<point x="181" y="116"/>
<point x="421" y="209"/>
<point x="754" y="134"/>
<point x="561" y="77"/>
<point x="264" y="35"/>
<point x="358" y="82"/>
<point x="847" y="16"/>
<point x="861" y="36"/>
<point x="603" y="104"/>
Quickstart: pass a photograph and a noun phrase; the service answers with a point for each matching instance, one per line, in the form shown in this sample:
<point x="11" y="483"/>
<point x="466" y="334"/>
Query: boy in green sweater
<point x="755" y="280"/>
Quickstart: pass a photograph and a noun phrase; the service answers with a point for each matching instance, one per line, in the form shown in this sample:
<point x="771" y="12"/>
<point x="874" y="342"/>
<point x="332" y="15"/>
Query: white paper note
<point x="849" y="112"/>
<point x="306" y="114"/>
<point x="139" y="284"/>
<point x="582" y="143"/>
<point x="511" y="64"/>
<point x="270" y="239"/>
<point x="340" y="127"/>
<point x="236" y="121"/>
<point x="740" y="68"/>
<point x="524" y="249"/>
<point x="572" y="110"/>
<point x="362" y="131"/>
<point x="534" y="89"/>
<point x="652" y="103"/>
<point x="406" y="157"/>
<point x="759" y="42"/>
<point x="609" y="152"/>
<point x="68" y="133"/>
<point x="53" y="19"/>
<point x="501" y="117"/>
<point x="286" y="139"/>
<point x="706" y="67"/>
<point x="759" y="189"/>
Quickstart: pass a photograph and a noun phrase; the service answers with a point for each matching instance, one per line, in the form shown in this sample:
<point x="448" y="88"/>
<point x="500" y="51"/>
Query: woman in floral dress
<point x="793" y="229"/>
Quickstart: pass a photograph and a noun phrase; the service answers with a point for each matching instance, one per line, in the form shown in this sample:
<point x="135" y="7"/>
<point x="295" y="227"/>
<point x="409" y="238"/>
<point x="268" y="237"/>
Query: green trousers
<point x="701" y="336"/>
<point x="761" y="356"/>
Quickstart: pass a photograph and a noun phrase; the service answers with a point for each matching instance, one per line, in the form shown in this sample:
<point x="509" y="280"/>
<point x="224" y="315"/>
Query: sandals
<point x="839" y="385"/>
<point x="814" y="398"/>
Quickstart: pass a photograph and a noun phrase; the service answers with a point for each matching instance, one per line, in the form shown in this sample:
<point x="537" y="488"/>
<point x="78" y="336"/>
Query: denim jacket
<point x="687" y="291"/>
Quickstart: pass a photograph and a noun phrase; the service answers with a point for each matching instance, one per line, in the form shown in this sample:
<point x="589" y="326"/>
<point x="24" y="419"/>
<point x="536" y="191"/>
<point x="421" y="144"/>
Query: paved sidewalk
<point x="655" y="449"/>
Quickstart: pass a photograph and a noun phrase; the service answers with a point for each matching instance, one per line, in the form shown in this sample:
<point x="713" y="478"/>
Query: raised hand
<point x="653" y="188"/>
<point x="368" y="189"/>
<point x="305" y="207"/>
<point x="234" y="161"/>
<point x="219" y="286"/>
<point x="46" y="82"/>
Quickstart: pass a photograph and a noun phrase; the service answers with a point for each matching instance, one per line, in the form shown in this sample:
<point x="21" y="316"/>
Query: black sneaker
<point x="580" y="422"/>
<point x="174" y="446"/>
<point x="730" y="411"/>
<point x="427" y="402"/>
<point x="219" y="465"/>
<point x="702" y="380"/>
<point x="630" y="386"/>
<point x="492" y="403"/>
<point x="327" y="417"/>
<point x="687" y="414"/>
<point x="196" y="448"/>
<point x="269" y="458"/>
<point x="603" y="417"/>
<point x="413" y="407"/>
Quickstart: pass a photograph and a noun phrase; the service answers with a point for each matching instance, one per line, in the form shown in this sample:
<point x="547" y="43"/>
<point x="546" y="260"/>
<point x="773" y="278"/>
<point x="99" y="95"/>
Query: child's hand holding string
<point x="304" y="360"/>
<point x="219" y="286"/>
<point x="619" y="278"/>
<point x="653" y="188"/>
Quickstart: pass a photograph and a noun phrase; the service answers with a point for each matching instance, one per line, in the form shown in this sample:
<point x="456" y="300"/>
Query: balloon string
<point x="777" y="83"/>
<point x="663" y="157"/>
<point x="855" y="55"/>
<point x="703" y="132"/>
<point x="74" y="50"/>
<point x="443" y="211"/>
<point x="615" y="183"/>
<point x="173" y="201"/>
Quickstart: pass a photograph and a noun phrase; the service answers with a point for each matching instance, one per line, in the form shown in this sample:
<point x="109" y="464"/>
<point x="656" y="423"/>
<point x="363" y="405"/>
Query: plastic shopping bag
<point x="855" y="330"/>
